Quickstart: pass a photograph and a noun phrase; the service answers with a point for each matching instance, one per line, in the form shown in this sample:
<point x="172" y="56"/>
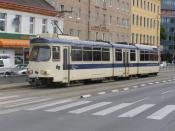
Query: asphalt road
<point x="145" y="104"/>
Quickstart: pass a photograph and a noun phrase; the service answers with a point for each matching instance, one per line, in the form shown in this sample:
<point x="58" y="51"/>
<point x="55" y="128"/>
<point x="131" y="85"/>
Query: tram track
<point x="79" y="89"/>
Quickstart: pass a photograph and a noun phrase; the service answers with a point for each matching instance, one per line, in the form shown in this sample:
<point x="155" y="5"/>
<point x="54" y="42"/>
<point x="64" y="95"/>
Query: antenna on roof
<point x="55" y="23"/>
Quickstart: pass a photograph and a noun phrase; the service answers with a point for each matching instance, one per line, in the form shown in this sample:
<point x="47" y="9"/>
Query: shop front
<point x="16" y="46"/>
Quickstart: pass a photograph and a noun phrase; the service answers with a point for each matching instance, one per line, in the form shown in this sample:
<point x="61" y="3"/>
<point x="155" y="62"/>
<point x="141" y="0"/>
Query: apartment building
<point x="107" y="20"/>
<point x="145" y="25"/>
<point x="168" y="23"/>
<point x="19" y="21"/>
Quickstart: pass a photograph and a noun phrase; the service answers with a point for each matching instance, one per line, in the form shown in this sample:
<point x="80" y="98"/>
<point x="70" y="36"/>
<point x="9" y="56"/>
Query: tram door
<point x="66" y="63"/>
<point x="126" y="62"/>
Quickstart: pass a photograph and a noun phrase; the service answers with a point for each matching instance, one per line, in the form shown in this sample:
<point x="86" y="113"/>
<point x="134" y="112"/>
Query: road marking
<point x="125" y="89"/>
<point x="143" y="85"/>
<point x="114" y="91"/>
<point x="150" y="83"/>
<point x="140" y="100"/>
<point x="88" y="108"/>
<point x="112" y="109"/>
<point x="169" y="91"/>
<point x="48" y="105"/>
<point x="17" y="100"/>
<point x="137" y="111"/>
<point x="169" y="80"/>
<point x="101" y="93"/>
<point x="157" y="82"/>
<point x="135" y="86"/>
<point x="86" y="96"/>
<point x="60" y="108"/>
<point x="160" y="114"/>
<point x="8" y="97"/>
<point x="28" y="102"/>
<point x="164" y="81"/>
<point x="174" y="79"/>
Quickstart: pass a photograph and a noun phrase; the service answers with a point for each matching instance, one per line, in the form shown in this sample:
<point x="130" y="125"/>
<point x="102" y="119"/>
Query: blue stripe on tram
<point x="98" y="66"/>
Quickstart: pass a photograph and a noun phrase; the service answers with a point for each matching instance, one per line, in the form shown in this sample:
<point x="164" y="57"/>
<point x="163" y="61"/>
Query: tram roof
<point x="79" y="42"/>
<point x="146" y="47"/>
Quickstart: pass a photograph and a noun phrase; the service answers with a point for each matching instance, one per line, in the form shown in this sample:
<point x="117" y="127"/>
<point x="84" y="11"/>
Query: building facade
<point x="107" y="20"/>
<point x="145" y="25"/>
<point x="21" y="21"/>
<point x="168" y="23"/>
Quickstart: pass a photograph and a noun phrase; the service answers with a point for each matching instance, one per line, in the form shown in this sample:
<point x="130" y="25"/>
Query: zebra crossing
<point x="14" y="103"/>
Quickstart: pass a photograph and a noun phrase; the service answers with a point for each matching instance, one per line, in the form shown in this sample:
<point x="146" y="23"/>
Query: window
<point x="40" y="53"/>
<point x="76" y="53"/>
<point x="2" y="22"/>
<point x="1" y="63"/>
<point x="56" y="53"/>
<point x="137" y="20"/>
<point x="96" y="54"/>
<point x="142" y="55"/>
<point x="55" y="29"/>
<point x="32" y="25"/>
<point x="133" y="19"/>
<point x="132" y="55"/>
<point x="105" y="54"/>
<point x="71" y="31"/>
<point x="87" y="53"/>
<point x="44" y="26"/>
<point x="61" y="7"/>
<point x="118" y="54"/>
<point x="17" y="23"/>
<point x="79" y="13"/>
<point x="110" y="20"/>
<point x="132" y="38"/>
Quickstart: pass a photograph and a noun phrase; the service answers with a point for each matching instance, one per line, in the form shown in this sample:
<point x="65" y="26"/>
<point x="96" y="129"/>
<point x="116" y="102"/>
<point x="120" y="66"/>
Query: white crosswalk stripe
<point x="17" y="100"/>
<point x="28" y="102"/>
<point x="112" y="109"/>
<point x="88" y="108"/>
<point x="41" y="106"/>
<point x="137" y="110"/>
<point x="160" y="114"/>
<point x="8" y="97"/>
<point x="60" y="108"/>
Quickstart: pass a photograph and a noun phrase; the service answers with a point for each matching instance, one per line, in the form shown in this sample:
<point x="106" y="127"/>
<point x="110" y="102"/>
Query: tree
<point x="163" y="34"/>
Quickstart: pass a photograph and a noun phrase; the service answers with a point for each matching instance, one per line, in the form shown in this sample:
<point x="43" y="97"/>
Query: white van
<point x="5" y="64"/>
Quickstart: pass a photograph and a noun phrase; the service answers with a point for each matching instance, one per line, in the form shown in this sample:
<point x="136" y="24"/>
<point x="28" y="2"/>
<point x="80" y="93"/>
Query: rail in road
<point x="23" y="78"/>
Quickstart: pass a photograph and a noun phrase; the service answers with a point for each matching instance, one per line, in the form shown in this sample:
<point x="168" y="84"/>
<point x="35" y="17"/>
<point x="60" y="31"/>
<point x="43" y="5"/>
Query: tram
<point x="63" y="60"/>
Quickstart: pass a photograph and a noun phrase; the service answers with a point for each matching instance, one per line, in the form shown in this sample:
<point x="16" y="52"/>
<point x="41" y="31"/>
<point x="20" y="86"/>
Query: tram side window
<point x="97" y="54"/>
<point x="105" y="54"/>
<point x="118" y="54"/>
<point x="56" y="53"/>
<point x="142" y="55"/>
<point x="87" y="53"/>
<point x="155" y="56"/>
<point x="76" y="53"/>
<point x="132" y="55"/>
<point x="146" y="56"/>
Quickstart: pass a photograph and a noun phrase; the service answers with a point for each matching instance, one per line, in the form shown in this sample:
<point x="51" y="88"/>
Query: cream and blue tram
<point x="67" y="60"/>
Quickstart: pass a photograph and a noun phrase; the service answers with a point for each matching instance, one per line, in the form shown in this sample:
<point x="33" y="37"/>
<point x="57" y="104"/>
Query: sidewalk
<point x="13" y="85"/>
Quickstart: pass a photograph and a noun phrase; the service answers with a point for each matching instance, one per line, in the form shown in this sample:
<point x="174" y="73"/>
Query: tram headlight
<point x="30" y="72"/>
<point x="44" y="72"/>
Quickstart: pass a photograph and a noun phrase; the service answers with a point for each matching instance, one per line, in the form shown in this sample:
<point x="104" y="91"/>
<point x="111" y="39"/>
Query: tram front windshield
<point x="40" y="53"/>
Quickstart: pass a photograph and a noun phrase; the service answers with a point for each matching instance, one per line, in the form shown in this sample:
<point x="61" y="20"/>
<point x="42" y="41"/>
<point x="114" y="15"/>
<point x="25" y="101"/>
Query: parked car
<point x="20" y="69"/>
<point x="5" y="65"/>
<point x="163" y="64"/>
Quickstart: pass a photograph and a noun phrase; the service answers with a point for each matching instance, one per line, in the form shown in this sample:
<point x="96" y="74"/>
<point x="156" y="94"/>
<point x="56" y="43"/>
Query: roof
<point x="79" y="42"/>
<point x="32" y="3"/>
<point x="32" y="6"/>
<point x="146" y="47"/>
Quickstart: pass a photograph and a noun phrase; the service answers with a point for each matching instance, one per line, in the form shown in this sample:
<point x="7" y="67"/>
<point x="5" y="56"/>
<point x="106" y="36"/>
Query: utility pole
<point x="89" y="11"/>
